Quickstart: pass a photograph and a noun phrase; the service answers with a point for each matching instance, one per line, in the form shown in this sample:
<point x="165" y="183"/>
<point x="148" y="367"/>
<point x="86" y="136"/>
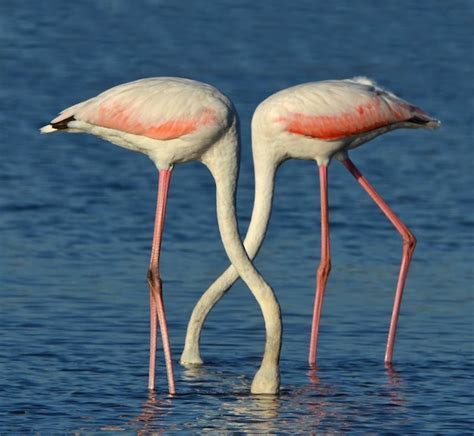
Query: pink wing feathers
<point x="336" y="109"/>
<point x="156" y="108"/>
<point x="121" y="117"/>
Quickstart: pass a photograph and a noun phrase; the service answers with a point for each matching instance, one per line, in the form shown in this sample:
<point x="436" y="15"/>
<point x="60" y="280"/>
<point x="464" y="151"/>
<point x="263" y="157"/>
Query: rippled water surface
<point x="76" y="217"/>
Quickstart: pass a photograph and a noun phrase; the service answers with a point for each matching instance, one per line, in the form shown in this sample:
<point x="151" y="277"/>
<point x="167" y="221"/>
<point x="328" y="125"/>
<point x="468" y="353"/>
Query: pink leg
<point x="154" y="281"/>
<point x="153" y="328"/>
<point x="324" y="265"/>
<point x="409" y="242"/>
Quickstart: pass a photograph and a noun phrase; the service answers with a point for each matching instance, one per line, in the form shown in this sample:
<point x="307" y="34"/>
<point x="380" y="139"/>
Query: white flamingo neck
<point x="222" y="161"/>
<point x="227" y="221"/>
<point x="265" y="171"/>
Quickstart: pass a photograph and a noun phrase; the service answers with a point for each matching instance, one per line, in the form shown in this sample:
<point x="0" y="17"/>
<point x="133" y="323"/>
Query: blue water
<point x="76" y="217"/>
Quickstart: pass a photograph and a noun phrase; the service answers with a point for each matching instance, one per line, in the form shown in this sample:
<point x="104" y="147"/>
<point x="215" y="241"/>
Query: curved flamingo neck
<point x="223" y="165"/>
<point x="265" y="171"/>
<point x="226" y="217"/>
<point x="265" y="167"/>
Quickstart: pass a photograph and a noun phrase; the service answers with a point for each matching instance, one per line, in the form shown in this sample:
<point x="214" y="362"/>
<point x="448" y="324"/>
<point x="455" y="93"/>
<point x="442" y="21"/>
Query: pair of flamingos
<point x="174" y="120"/>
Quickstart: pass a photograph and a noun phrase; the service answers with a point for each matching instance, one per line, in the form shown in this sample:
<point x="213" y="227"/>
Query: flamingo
<point x="176" y="120"/>
<point x="316" y="121"/>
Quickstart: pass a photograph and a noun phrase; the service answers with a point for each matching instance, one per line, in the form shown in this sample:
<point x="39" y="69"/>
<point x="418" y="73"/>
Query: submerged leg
<point x="324" y="265"/>
<point x="153" y="329"/>
<point x="409" y="243"/>
<point x="154" y="281"/>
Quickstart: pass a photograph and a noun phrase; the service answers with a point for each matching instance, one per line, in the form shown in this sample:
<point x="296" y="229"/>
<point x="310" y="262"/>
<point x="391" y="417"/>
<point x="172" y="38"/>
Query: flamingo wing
<point x="333" y="110"/>
<point x="159" y="108"/>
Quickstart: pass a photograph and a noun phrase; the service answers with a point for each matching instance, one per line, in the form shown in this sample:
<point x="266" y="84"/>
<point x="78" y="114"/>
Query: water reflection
<point x="194" y="372"/>
<point x="229" y="412"/>
<point x="395" y="386"/>
<point x="320" y="401"/>
<point x="338" y="396"/>
<point x="211" y="379"/>
<point x="258" y="412"/>
<point x="153" y="409"/>
<point x="334" y="397"/>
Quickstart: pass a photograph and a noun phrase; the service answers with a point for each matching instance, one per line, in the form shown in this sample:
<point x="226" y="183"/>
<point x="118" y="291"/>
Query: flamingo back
<point x="337" y="109"/>
<point x="158" y="108"/>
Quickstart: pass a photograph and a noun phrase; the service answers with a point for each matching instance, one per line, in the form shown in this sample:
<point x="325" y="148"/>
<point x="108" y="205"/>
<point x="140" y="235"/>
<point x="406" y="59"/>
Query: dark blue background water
<point x="77" y="213"/>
